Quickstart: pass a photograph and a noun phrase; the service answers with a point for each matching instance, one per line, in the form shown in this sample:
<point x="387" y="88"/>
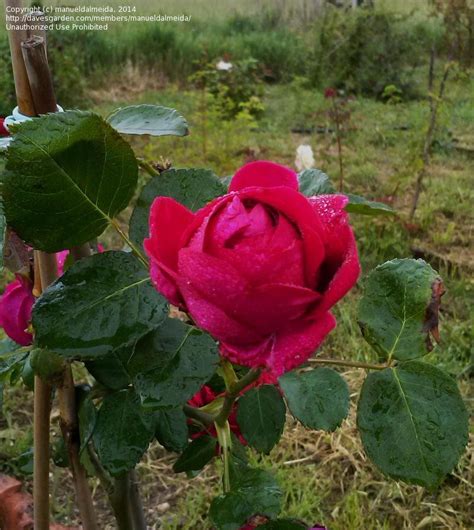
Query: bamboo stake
<point x="39" y="76"/>
<point x="42" y="395"/>
<point x="22" y="85"/>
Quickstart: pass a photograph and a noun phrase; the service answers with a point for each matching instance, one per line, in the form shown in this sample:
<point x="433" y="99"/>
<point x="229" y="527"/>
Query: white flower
<point x="304" y="157"/>
<point x="224" y="65"/>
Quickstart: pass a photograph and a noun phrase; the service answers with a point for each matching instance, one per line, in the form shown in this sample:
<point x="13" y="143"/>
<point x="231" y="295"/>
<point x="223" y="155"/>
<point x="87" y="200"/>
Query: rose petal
<point x="299" y="211"/>
<point x="262" y="308"/>
<point x="287" y="349"/>
<point x="15" y="309"/>
<point x="209" y="288"/>
<point x="341" y="267"/>
<point x="168" y="222"/>
<point x="263" y="174"/>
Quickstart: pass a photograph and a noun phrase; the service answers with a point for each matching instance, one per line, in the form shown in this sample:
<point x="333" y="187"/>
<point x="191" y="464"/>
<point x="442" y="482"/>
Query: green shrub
<point x="363" y="52"/>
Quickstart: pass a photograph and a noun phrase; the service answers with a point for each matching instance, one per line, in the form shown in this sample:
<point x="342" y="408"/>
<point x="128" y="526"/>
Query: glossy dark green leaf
<point x="261" y="414"/>
<point x="283" y="524"/>
<point x="111" y="369"/>
<point x="315" y="182"/>
<point x="191" y="187"/>
<point x="230" y="511"/>
<point x="399" y="308"/>
<point x="361" y="205"/>
<point x="101" y="303"/>
<point x="413" y="422"/>
<point x="254" y="492"/>
<point x="197" y="454"/>
<point x="67" y="175"/>
<point x="319" y="399"/>
<point x="148" y="119"/>
<point x="122" y="432"/>
<point x="171" y="429"/>
<point x="172" y="363"/>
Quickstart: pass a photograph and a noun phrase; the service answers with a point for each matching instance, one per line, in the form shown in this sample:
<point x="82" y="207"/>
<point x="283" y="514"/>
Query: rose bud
<point x="258" y="268"/>
<point x="15" y="310"/>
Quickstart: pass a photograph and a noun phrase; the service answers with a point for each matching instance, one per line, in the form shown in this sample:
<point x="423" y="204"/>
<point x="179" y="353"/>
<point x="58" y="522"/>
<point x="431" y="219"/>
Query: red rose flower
<point x="3" y="129"/>
<point x="330" y="93"/>
<point x="205" y="396"/>
<point x="15" y="310"/>
<point x="258" y="268"/>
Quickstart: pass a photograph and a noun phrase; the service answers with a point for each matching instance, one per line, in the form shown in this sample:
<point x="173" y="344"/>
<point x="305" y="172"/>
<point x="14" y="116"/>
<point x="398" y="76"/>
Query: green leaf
<point x="399" y="308"/>
<point x="171" y="364"/>
<point x="319" y="399"/>
<point x="171" y="429"/>
<point x="11" y="367"/>
<point x="191" y="187"/>
<point x="46" y="364"/>
<point x="67" y="175"/>
<point x="230" y="511"/>
<point x="7" y="346"/>
<point x="101" y="303"/>
<point x="261" y="415"/>
<point x="111" y="369"/>
<point x="283" y="524"/>
<point x="413" y="422"/>
<point x="122" y="432"/>
<point x="24" y="463"/>
<point x="254" y="492"/>
<point x="148" y="119"/>
<point x="315" y="182"/>
<point x="361" y="205"/>
<point x="196" y="455"/>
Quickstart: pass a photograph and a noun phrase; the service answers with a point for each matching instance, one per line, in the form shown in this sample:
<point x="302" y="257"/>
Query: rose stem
<point x="198" y="415"/>
<point x="39" y="76"/>
<point x="233" y="393"/>
<point x="353" y="364"/>
<point x="119" y="499"/>
<point x="148" y="168"/>
<point x="136" y="504"/>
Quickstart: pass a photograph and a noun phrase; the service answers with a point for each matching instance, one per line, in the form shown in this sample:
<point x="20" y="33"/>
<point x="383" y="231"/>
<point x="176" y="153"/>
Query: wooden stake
<point x="32" y="71"/>
<point x="39" y="75"/>
<point x="42" y="411"/>
<point x="22" y="85"/>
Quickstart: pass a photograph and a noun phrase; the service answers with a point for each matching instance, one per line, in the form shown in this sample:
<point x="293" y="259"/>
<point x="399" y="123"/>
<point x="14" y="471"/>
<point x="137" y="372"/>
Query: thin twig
<point x="147" y="167"/>
<point x="352" y="364"/>
<point x="435" y="102"/>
